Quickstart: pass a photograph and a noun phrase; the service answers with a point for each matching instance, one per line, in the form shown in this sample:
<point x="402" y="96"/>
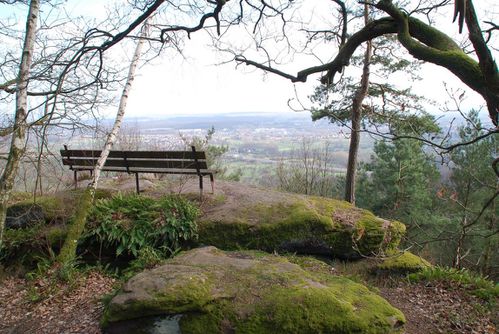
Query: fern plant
<point x="129" y="223"/>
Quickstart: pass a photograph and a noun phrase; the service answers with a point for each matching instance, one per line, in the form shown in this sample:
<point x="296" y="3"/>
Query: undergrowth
<point x="136" y="225"/>
<point x="459" y="278"/>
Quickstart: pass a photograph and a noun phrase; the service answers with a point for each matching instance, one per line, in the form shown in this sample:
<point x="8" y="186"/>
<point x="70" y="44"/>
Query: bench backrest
<point x="136" y="161"/>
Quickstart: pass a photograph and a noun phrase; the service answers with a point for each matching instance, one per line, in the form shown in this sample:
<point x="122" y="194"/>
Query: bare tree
<point x="308" y="170"/>
<point x="424" y="41"/>
<point x="18" y="140"/>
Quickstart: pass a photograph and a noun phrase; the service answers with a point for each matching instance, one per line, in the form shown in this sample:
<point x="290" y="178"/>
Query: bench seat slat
<point x="135" y="163"/>
<point x="150" y="170"/>
<point x="135" y="154"/>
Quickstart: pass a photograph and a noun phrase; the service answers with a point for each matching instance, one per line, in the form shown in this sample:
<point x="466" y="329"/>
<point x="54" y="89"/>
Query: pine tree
<point x="472" y="199"/>
<point x="400" y="180"/>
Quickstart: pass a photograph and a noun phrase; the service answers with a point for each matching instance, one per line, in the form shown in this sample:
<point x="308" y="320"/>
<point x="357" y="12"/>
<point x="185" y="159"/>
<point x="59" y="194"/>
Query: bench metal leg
<point x="76" y="179"/>
<point x="200" y="186"/>
<point x="212" y="180"/>
<point x="137" y="182"/>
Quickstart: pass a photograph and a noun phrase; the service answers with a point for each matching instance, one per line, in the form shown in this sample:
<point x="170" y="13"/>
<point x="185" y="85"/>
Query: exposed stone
<point x="250" y="292"/>
<point x="24" y="215"/>
<point x="253" y="218"/>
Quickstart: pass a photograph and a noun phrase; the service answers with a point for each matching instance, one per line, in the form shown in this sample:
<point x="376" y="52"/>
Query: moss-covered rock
<point x="22" y="215"/>
<point x="248" y="292"/>
<point x="38" y="228"/>
<point x="270" y="220"/>
<point x="53" y="208"/>
<point x="404" y="262"/>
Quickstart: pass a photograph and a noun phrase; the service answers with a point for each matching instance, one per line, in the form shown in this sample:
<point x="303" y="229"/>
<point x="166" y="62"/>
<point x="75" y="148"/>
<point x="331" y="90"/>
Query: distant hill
<point x="228" y="121"/>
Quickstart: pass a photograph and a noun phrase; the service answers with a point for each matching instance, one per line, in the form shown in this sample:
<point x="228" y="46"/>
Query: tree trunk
<point x="68" y="251"/>
<point x="361" y="93"/>
<point x="458" y="254"/>
<point x="18" y="140"/>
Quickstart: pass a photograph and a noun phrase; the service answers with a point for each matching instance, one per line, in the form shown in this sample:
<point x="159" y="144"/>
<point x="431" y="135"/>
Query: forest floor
<point x="41" y="306"/>
<point x="37" y="306"/>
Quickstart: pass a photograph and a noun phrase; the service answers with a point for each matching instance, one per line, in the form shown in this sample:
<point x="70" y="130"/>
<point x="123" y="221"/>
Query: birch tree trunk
<point x="68" y="251"/>
<point x="361" y="93"/>
<point x="18" y="140"/>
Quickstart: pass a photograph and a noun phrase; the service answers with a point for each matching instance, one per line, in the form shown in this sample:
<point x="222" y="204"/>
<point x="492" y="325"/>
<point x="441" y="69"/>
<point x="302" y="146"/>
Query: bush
<point x="129" y="223"/>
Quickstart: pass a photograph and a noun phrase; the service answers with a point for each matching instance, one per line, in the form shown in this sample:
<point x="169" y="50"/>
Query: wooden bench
<point x="164" y="162"/>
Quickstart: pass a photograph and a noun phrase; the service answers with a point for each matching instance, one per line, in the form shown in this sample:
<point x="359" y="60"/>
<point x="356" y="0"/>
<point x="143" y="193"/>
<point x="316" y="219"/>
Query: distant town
<point x="255" y="142"/>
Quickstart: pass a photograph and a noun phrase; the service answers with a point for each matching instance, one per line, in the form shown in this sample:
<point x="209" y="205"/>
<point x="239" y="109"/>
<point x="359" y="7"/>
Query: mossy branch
<point x="424" y="42"/>
<point x="68" y="250"/>
<point x="441" y="50"/>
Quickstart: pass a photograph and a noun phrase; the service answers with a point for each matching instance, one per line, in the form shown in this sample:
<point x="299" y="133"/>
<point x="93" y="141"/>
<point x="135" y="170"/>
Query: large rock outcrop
<point x="250" y="292"/>
<point x="243" y="217"/>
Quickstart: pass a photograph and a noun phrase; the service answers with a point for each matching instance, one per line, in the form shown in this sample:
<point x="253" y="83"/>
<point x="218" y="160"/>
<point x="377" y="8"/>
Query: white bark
<point x="121" y="110"/>
<point x="18" y="141"/>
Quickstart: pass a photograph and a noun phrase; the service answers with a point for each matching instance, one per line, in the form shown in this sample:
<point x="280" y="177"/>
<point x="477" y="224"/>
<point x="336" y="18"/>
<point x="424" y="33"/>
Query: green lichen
<point x="313" y="225"/>
<point x="404" y="262"/>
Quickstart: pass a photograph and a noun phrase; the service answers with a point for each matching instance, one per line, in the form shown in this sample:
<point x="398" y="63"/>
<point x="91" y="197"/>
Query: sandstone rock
<point x="252" y="218"/>
<point x="250" y="292"/>
<point x="24" y="215"/>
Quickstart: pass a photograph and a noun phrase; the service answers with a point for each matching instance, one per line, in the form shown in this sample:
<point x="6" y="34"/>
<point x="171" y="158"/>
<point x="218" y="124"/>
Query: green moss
<point x="341" y="307"/>
<point x="26" y="246"/>
<point x="431" y="36"/>
<point x="55" y="235"/>
<point x="265" y="295"/>
<point x="310" y="264"/>
<point x="438" y="49"/>
<point x="191" y="296"/>
<point x="219" y="317"/>
<point x="314" y="225"/>
<point x="59" y="207"/>
<point x="375" y="235"/>
<point x="53" y="207"/>
<point x="336" y="305"/>
<point x="219" y="199"/>
<point x="17" y="197"/>
<point x="68" y="250"/>
<point x="99" y="193"/>
<point x="404" y="263"/>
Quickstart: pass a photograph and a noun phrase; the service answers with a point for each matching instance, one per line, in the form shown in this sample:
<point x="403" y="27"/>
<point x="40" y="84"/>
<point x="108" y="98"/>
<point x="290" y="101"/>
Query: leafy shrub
<point x="148" y="258"/>
<point x="459" y="278"/>
<point x="129" y="223"/>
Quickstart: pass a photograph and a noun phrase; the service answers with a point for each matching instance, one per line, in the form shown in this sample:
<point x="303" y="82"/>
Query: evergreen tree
<point x="400" y="181"/>
<point x="472" y="198"/>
